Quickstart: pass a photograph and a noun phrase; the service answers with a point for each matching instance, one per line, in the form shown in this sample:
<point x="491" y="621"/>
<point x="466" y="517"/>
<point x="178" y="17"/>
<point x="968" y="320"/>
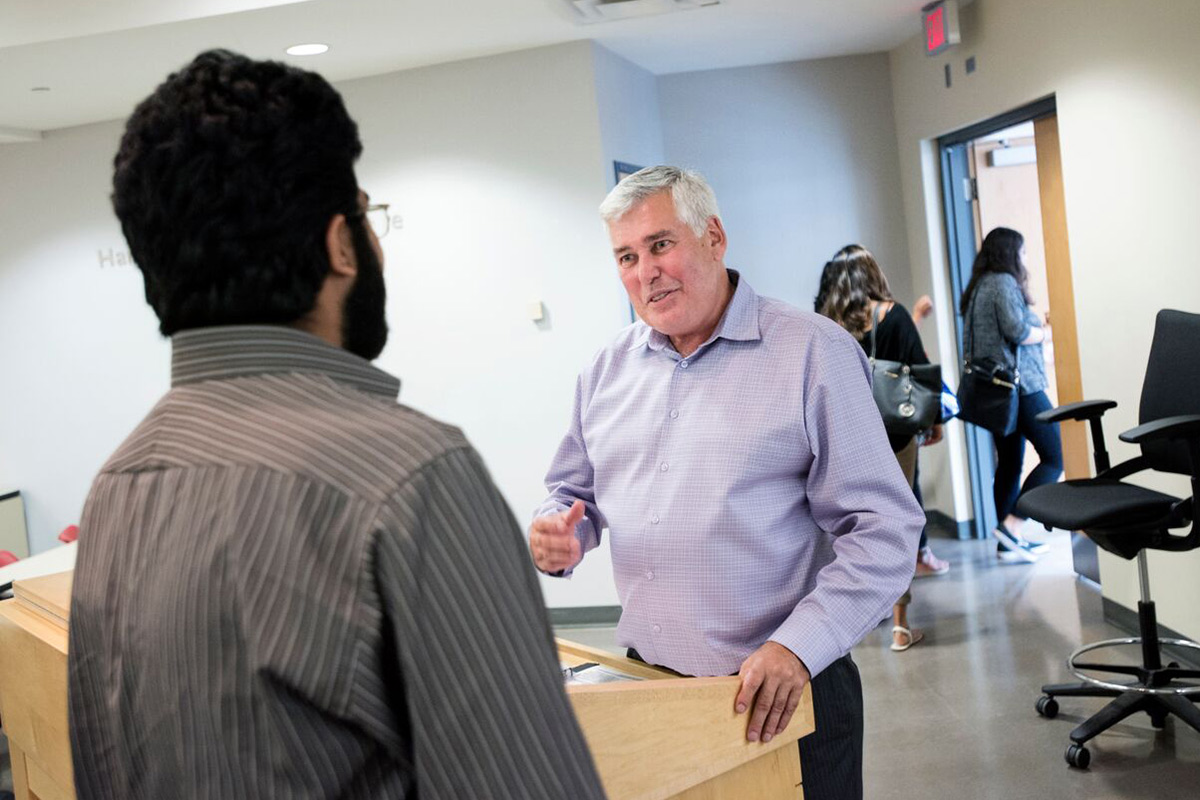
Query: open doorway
<point x="1006" y="172"/>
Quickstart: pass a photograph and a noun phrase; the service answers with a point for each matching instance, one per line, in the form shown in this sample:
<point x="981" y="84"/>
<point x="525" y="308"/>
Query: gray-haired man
<point x="729" y="442"/>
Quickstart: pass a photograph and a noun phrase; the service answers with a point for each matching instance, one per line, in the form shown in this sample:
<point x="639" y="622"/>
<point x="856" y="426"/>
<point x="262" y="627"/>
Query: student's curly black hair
<point x="225" y="182"/>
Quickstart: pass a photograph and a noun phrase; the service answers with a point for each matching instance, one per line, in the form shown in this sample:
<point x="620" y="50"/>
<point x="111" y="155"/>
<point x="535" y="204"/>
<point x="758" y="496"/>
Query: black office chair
<point x="1127" y="520"/>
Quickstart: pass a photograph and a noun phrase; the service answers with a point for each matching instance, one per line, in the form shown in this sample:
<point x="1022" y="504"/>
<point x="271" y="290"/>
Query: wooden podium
<point x="673" y="737"/>
<point x="33" y="686"/>
<point x="661" y="737"/>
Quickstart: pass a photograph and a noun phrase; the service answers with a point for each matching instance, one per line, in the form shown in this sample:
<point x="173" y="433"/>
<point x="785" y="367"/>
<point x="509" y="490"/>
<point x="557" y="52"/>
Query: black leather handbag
<point x="987" y="393"/>
<point x="909" y="396"/>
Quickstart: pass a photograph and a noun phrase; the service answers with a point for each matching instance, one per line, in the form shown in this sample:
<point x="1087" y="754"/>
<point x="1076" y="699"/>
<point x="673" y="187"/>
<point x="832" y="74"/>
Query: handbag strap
<point x="1016" y="369"/>
<point x="969" y="330"/>
<point x="969" y="334"/>
<point x="874" y="326"/>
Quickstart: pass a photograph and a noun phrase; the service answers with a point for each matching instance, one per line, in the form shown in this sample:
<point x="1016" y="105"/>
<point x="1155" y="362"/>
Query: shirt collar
<point x="739" y="323"/>
<point x="236" y="351"/>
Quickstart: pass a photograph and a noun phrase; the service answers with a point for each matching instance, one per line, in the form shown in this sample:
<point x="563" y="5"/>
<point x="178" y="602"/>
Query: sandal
<point x="913" y="636"/>
<point x="929" y="565"/>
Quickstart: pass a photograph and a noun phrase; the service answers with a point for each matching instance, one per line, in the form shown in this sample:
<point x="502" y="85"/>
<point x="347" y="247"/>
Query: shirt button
<point x="657" y="629"/>
<point x="674" y="413"/>
<point x="654" y="519"/>
<point x="683" y="365"/>
<point x="663" y="467"/>
<point x="650" y="576"/>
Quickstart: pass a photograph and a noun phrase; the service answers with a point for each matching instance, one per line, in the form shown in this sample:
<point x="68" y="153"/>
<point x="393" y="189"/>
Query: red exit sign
<point x="940" y="21"/>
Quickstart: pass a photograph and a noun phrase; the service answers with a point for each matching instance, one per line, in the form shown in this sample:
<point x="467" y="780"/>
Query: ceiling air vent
<point x="607" y="10"/>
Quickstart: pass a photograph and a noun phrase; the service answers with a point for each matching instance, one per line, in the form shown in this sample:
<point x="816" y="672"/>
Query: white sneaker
<point x="1037" y="548"/>
<point x="1015" y="556"/>
<point x="1006" y="537"/>
<point x="1009" y="549"/>
<point x="1032" y="545"/>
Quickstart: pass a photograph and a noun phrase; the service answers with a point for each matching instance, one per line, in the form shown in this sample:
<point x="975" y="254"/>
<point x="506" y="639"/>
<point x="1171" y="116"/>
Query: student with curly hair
<point x="288" y="584"/>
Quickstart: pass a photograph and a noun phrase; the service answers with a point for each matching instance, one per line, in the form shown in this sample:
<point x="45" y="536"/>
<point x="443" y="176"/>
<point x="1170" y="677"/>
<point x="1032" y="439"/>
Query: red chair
<point x="7" y="558"/>
<point x="69" y="534"/>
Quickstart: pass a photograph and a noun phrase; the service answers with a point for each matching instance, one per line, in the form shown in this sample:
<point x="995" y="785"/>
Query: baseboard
<point x="1127" y="620"/>
<point x="584" y="616"/>
<point x="942" y="524"/>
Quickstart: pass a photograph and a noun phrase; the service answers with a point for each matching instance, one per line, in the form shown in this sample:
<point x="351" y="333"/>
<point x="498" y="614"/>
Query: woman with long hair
<point x="1000" y="329"/>
<point x="854" y="293"/>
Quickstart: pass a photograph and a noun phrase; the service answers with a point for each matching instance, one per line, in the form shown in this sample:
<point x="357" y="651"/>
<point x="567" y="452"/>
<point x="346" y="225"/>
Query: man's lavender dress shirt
<point x="749" y="490"/>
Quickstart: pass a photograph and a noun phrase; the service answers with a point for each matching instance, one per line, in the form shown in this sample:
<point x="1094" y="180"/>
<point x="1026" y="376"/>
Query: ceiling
<point x="95" y="60"/>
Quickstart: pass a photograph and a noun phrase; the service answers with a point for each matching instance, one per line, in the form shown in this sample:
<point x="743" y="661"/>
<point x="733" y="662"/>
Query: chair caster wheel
<point x="1047" y="706"/>
<point x="1078" y="756"/>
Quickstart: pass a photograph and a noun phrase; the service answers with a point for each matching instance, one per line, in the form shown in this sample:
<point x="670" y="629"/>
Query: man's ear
<point x="714" y="235"/>
<point x="340" y="248"/>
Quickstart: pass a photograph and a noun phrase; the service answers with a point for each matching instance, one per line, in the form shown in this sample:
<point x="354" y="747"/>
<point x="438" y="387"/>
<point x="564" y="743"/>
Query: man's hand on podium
<point x="552" y="539"/>
<point x="773" y="679"/>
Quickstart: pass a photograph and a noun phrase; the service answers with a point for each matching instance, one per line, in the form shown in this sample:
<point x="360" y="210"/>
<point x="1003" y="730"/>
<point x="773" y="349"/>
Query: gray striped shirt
<point x="290" y="586"/>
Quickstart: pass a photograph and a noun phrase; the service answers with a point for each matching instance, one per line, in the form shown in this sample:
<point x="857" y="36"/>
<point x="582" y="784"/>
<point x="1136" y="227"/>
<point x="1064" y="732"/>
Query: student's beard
<point x="364" y="315"/>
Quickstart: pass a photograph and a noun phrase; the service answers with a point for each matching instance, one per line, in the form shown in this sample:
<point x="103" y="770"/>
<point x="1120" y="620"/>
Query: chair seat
<point x="1101" y="503"/>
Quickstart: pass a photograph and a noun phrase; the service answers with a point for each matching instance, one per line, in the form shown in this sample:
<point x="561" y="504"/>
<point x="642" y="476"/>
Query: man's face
<point x="675" y="279"/>
<point x="364" y="315"/>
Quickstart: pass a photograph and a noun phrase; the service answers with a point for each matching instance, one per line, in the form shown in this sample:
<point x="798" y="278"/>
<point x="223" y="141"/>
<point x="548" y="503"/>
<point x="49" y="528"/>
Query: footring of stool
<point x="1186" y="691"/>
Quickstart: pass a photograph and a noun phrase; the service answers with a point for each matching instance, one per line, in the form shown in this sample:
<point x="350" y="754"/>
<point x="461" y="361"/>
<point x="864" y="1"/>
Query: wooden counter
<point x="33" y="686"/>
<point x="673" y="737"/>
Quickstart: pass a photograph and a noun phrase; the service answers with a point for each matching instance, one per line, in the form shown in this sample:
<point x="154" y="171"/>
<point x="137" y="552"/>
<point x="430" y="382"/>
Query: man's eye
<point x="660" y="245"/>
<point x="626" y="260"/>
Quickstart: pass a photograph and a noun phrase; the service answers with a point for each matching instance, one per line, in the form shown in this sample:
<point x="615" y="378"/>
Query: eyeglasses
<point x="377" y="217"/>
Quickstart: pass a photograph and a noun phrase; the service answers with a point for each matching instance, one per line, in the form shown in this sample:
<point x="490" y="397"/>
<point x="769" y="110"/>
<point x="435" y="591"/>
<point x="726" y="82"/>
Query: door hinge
<point x="970" y="189"/>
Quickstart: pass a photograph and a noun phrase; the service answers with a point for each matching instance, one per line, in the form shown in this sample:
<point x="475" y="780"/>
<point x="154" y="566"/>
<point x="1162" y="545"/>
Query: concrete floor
<point x="954" y="716"/>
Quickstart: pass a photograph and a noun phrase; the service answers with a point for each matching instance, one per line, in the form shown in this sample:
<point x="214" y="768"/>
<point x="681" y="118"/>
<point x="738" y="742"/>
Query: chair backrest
<point x="1172" y="385"/>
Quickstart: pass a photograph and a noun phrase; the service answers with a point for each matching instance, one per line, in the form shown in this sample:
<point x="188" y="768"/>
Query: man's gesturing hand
<point x="553" y="542"/>
<point x="772" y="681"/>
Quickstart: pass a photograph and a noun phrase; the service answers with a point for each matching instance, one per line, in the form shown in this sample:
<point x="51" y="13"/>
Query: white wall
<point x="803" y="160"/>
<point x="630" y="128"/>
<point x="1126" y="77"/>
<point x="628" y="104"/>
<point x="496" y="166"/>
<point x="83" y="361"/>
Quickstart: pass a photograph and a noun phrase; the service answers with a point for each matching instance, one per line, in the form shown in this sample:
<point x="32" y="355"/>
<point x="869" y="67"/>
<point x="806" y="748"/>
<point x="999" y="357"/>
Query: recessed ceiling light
<point x="307" y="49"/>
<point x="40" y="89"/>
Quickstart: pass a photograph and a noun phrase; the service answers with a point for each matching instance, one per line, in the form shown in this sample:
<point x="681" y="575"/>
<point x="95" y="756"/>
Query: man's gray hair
<point x="694" y="200"/>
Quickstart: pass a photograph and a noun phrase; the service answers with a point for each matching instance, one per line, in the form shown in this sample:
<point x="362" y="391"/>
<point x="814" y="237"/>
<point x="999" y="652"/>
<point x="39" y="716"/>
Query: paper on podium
<point x="591" y="673"/>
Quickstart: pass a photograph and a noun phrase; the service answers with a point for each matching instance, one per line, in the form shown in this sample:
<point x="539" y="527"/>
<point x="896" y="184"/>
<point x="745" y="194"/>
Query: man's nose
<point x="648" y="268"/>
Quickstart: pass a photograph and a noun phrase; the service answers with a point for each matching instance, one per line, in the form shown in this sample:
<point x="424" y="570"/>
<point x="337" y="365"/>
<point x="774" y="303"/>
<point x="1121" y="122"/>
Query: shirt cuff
<point x="811" y="640"/>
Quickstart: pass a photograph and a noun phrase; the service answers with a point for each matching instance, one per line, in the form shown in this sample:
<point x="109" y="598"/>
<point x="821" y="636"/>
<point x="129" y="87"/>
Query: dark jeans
<point x="831" y="756"/>
<point x="1010" y="454"/>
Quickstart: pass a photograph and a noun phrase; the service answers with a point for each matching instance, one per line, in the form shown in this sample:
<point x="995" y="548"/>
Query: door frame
<point x="960" y="249"/>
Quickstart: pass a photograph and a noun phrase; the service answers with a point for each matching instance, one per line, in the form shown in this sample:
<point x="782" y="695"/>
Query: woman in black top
<point x="854" y="293"/>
